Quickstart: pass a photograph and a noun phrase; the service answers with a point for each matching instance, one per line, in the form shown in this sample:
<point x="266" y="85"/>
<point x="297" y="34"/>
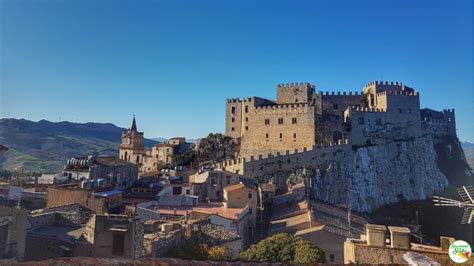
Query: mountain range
<point x="45" y="146"/>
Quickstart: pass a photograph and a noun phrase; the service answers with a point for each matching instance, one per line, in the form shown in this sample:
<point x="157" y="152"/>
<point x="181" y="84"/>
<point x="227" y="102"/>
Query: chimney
<point x="375" y="234"/>
<point x="399" y="237"/>
<point x="445" y="242"/>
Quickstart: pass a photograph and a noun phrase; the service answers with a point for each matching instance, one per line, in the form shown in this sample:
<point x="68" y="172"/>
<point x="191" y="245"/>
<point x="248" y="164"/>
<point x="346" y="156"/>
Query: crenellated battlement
<point x="284" y="106"/>
<point x="408" y="93"/>
<point x="234" y="100"/>
<point x="366" y="109"/>
<point x="290" y="85"/>
<point x="339" y="93"/>
<point x="448" y="111"/>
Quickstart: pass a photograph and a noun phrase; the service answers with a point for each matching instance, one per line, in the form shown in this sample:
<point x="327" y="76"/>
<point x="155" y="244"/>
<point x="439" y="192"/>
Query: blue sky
<point x="173" y="63"/>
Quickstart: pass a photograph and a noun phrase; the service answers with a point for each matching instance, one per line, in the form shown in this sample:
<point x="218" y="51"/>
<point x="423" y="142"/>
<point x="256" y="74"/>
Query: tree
<point x="283" y="248"/>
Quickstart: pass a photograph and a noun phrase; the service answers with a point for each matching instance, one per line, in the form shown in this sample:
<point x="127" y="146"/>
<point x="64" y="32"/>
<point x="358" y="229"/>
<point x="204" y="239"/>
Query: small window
<point x="246" y="128"/>
<point x="267" y="121"/>
<point x="294" y="135"/>
<point x="361" y="120"/>
<point x="233" y="110"/>
<point x="331" y="257"/>
<point x="400" y="110"/>
<point x="188" y="191"/>
<point x="378" y="121"/>
<point x="246" y="109"/>
<point x="409" y="111"/>
<point x="233" y="129"/>
<point x="250" y="210"/>
<point x="281" y="135"/>
<point x="250" y="195"/>
<point x="334" y="106"/>
<point x="280" y="121"/>
<point x="266" y="135"/>
<point x="246" y="119"/>
<point x="294" y="120"/>
<point x="233" y="119"/>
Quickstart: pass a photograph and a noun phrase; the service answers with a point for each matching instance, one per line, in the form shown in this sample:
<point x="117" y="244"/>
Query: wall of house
<point x="15" y="221"/>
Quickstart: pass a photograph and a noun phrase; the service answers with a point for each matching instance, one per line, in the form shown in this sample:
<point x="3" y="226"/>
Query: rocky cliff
<point x="370" y="177"/>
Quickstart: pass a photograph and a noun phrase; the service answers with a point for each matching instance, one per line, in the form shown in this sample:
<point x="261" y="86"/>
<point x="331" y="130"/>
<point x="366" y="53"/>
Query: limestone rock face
<point x="377" y="175"/>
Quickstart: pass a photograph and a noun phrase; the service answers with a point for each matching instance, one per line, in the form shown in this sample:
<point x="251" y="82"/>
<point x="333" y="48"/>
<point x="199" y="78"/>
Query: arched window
<point x="138" y="159"/>
<point x="126" y="156"/>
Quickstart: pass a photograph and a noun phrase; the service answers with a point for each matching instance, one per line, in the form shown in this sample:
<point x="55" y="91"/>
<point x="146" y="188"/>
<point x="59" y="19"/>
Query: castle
<point x="301" y="118"/>
<point x="132" y="149"/>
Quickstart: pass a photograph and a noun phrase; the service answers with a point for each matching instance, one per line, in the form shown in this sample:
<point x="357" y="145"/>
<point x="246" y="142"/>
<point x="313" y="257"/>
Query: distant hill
<point x="469" y="152"/>
<point x="44" y="146"/>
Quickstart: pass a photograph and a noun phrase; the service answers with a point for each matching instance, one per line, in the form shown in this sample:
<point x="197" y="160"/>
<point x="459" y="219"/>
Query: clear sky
<point x="173" y="63"/>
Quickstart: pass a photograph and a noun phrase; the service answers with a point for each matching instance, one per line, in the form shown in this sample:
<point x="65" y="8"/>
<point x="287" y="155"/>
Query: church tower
<point x="132" y="148"/>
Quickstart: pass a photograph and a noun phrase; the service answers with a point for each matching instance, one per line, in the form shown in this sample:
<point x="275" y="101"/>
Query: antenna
<point x="467" y="196"/>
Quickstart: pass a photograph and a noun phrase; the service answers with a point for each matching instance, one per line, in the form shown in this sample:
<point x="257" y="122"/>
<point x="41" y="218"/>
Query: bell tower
<point x="132" y="148"/>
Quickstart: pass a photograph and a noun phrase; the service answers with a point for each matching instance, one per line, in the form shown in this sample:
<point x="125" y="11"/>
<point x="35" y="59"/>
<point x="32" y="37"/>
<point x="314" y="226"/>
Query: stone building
<point x="112" y="236"/>
<point x="133" y="150"/>
<point x="100" y="199"/>
<point x="372" y="248"/>
<point x="117" y="172"/>
<point x="300" y="117"/>
<point x="242" y="195"/>
<point x="13" y="225"/>
<point x="209" y="185"/>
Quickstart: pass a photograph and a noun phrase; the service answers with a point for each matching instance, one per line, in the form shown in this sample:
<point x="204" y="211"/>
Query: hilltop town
<point x="309" y="163"/>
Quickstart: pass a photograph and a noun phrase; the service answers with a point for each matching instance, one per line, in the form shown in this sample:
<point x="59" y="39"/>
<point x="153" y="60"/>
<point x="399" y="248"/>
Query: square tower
<point x="295" y="93"/>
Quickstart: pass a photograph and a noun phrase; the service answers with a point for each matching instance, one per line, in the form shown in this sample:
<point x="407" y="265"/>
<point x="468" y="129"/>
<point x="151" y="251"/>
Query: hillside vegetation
<point x="44" y="146"/>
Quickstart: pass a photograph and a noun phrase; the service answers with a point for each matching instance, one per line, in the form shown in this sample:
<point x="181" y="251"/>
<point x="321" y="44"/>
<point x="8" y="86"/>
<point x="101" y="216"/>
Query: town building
<point x="112" y="236"/>
<point x="100" y="200"/>
<point x="243" y="194"/>
<point x="209" y="185"/>
<point x="133" y="150"/>
<point x="117" y="172"/>
<point x="59" y="230"/>
<point x="13" y="225"/>
<point x="375" y="248"/>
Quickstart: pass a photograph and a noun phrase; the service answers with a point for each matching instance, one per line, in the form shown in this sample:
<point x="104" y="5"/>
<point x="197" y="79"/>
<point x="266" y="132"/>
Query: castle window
<point x="400" y="110"/>
<point x="246" y="128"/>
<point x="293" y="120"/>
<point x="281" y="136"/>
<point x="250" y="195"/>
<point x="266" y="135"/>
<point x="233" y="110"/>
<point x="361" y="120"/>
<point x="246" y="119"/>
<point x="280" y="121"/>
<point x="233" y="119"/>
<point x="246" y="109"/>
<point x="233" y="129"/>
<point x="294" y="135"/>
<point x="267" y="121"/>
<point x="334" y="106"/>
<point x="378" y="121"/>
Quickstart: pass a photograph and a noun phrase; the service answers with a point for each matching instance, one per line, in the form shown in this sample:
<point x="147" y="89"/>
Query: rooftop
<point x="66" y="233"/>
<point x="108" y="193"/>
<point x="234" y="187"/>
<point x="215" y="208"/>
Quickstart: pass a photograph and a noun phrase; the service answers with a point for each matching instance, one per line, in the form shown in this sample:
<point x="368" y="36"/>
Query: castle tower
<point x="132" y="148"/>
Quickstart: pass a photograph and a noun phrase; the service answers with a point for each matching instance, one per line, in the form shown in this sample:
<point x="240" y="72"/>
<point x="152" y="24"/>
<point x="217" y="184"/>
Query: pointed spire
<point x="134" y="125"/>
